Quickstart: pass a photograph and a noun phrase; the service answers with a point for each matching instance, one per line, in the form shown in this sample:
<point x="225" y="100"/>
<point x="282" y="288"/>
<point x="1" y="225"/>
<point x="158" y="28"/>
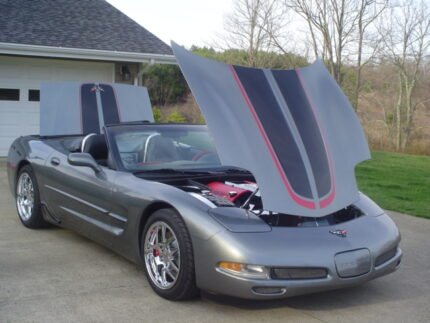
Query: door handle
<point x="55" y="161"/>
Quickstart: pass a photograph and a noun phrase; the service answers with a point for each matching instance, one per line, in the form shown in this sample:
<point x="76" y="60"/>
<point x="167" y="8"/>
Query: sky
<point x="187" y="22"/>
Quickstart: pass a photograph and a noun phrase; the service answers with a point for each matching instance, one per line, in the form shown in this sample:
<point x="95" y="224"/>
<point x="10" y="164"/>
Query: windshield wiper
<point x="212" y="171"/>
<point x="233" y="170"/>
<point x="172" y="171"/>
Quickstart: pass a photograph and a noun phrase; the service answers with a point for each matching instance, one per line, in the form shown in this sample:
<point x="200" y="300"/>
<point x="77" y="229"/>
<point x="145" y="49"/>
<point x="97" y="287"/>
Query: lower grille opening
<point x="292" y="273"/>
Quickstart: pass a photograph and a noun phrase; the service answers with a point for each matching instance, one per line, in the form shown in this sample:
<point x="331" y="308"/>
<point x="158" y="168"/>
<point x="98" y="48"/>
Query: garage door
<point x="20" y="80"/>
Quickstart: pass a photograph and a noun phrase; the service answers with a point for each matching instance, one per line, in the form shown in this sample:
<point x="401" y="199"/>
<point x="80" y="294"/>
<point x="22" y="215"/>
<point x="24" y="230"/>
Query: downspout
<point x="141" y="70"/>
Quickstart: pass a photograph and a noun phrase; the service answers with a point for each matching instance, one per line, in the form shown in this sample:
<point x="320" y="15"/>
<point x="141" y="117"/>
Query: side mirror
<point x="84" y="159"/>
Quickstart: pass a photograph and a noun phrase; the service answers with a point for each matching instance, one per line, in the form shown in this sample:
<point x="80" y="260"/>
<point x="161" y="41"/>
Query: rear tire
<point x="28" y="199"/>
<point x="167" y="254"/>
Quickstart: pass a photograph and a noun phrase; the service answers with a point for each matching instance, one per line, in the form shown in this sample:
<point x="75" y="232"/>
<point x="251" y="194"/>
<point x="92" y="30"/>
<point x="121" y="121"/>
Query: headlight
<point x="243" y="270"/>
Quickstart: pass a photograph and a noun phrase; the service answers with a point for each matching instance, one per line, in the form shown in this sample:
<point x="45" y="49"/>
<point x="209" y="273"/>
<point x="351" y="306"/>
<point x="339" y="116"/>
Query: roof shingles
<point x="86" y="24"/>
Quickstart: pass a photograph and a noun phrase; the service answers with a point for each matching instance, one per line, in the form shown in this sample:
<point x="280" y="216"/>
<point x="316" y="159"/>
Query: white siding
<point x="22" y="117"/>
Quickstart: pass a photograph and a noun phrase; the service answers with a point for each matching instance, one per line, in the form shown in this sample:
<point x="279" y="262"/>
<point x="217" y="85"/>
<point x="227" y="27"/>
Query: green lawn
<point x="397" y="182"/>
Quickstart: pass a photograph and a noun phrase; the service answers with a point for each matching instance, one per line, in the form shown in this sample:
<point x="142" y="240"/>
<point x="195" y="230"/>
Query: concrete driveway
<point x="54" y="275"/>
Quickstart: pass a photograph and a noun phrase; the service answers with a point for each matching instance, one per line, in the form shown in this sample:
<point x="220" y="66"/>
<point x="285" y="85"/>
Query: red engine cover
<point x="228" y="192"/>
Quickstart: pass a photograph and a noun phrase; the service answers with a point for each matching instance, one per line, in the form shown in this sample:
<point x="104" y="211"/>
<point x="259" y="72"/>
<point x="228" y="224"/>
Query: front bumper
<point x="296" y="247"/>
<point x="258" y="289"/>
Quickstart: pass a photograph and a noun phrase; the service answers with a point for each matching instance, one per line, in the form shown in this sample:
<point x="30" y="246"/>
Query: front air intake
<point x="293" y="273"/>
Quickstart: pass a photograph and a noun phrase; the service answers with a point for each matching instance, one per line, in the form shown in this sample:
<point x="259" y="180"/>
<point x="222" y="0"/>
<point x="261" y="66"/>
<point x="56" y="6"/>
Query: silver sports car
<point x="261" y="203"/>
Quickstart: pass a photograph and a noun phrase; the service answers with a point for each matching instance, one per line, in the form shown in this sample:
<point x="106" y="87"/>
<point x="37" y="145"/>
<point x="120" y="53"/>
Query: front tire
<point x="168" y="256"/>
<point x="28" y="199"/>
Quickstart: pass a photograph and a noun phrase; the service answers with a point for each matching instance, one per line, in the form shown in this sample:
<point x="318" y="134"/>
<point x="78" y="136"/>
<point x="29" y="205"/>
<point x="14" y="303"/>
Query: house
<point x="65" y="40"/>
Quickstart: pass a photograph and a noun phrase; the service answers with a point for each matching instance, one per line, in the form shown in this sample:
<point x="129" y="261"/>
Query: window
<point x="34" y="95"/>
<point x="9" y="94"/>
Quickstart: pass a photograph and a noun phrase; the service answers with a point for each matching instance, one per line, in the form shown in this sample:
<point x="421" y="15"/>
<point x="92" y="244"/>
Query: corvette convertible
<point x="261" y="203"/>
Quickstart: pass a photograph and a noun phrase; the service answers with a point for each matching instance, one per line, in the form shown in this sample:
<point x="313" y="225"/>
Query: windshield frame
<point x="112" y="130"/>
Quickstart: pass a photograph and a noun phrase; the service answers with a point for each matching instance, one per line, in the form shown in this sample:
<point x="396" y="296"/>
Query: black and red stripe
<point x="89" y="112"/>
<point x="274" y="128"/>
<point x="306" y="123"/>
<point x="90" y="119"/>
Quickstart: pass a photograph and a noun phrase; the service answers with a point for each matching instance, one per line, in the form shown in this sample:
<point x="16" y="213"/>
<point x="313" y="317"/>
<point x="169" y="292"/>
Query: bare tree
<point x="406" y="37"/>
<point x="337" y="27"/>
<point x="331" y="25"/>
<point x="367" y="13"/>
<point x="247" y="28"/>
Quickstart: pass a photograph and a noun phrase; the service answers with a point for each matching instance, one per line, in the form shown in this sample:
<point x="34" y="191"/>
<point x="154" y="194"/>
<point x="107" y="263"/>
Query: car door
<point x="80" y="198"/>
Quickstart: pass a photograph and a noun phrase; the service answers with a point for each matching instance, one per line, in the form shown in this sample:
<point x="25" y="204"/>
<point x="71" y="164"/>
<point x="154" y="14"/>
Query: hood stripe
<point x="291" y="124"/>
<point x="305" y="120"/>
<point x="307" y="203"/>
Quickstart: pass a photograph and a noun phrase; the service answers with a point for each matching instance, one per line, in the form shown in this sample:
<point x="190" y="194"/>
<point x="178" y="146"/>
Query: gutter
<point x="84" y="54"/>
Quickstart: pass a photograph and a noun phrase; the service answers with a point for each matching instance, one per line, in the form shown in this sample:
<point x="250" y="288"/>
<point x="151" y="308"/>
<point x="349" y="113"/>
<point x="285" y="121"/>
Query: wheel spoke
<point x="168" y="272"/>
<point x="173" y="270"/>
<point x="174" y="249"/>
<point x="153" y="264"/>
<point x="163" y="276"/>
<point x="156" y="240"/>
<point x="163" y="234"/>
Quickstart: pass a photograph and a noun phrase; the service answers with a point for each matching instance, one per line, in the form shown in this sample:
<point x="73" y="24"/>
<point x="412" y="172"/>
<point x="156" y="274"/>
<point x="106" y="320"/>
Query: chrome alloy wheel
<point x="25" y="196"/>
<point x="162" y="255"/>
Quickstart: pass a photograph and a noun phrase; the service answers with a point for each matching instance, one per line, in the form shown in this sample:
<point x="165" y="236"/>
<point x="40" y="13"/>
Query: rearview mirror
<point x="84" y="159"/>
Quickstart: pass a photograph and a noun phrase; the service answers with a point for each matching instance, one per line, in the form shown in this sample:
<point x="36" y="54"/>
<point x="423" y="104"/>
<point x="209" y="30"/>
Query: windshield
<point x="149" y="147"/>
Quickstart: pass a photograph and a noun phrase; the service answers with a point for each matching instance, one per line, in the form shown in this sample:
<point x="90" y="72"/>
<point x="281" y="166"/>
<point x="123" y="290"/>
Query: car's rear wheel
<point x="168" y="256"/>
<point x="28" y="200"/>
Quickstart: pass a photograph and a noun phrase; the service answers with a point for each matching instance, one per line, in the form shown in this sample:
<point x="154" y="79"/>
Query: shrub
<point x="176" y="117"/>
<point x="157" y="114"/>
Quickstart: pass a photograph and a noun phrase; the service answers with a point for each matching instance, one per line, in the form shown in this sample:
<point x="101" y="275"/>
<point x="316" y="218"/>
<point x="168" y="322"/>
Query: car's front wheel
<point x="28" y="200"/>
<point x="168" y="256"/>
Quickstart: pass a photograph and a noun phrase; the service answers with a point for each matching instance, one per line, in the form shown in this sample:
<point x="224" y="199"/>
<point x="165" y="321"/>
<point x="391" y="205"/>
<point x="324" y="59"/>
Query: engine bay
<point x="244" y="193"/>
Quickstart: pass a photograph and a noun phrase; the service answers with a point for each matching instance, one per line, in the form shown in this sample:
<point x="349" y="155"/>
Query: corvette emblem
<point x="97" y="88"/>
<point x="339" y="233"/>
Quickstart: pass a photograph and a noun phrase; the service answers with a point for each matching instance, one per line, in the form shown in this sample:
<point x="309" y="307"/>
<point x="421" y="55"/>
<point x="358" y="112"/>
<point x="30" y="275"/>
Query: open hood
<point x="71" y="108"/>
<point x="293" y="129"/>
